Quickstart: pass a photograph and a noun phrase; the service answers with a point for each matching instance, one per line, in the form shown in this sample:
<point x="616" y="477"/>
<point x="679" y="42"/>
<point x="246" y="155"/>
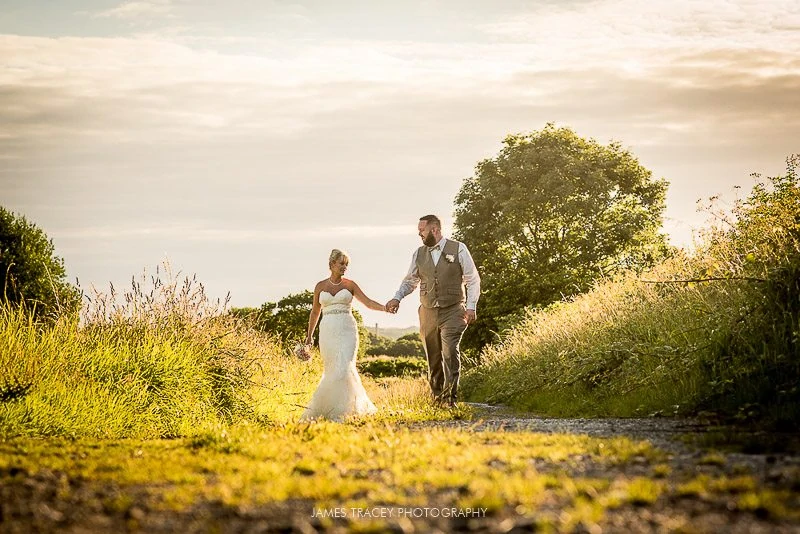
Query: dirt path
<point x="704" y="490"/>
<point x="673" y="434"/>
<point x="695" y="449"/>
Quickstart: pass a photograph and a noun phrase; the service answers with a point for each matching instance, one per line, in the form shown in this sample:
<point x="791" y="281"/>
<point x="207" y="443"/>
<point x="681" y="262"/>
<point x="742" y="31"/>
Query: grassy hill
<point x="713" y="330"/>
<point x="394" y="333"/>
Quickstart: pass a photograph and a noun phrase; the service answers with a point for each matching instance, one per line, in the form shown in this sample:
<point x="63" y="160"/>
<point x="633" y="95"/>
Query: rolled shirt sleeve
<point x="471" y="277"/>
<point x="411" y="281"/>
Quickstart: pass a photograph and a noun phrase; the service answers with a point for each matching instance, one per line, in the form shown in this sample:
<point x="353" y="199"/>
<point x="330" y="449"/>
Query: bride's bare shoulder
<point x="351" y="285"/>
<point x="320" y="285"/>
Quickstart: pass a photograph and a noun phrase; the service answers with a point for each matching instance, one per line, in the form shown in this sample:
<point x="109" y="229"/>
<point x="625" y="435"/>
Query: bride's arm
<point x="368" y="302"/>
<point x="316" y="308"/>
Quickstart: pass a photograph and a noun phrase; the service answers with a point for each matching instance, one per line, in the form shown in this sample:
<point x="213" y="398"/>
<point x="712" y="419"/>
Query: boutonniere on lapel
<point x="450" y="258"/>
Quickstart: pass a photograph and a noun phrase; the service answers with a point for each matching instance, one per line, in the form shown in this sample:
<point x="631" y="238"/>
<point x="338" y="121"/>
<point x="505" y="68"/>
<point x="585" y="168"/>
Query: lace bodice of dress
<point x="341" y="302"/>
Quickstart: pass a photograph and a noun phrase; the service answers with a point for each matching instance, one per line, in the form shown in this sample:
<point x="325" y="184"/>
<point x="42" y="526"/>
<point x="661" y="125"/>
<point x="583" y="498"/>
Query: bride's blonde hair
<point x="336" y="255"/>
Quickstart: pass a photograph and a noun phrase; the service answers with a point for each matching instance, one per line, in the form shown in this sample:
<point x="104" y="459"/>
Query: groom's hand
<point x="392" y="306"/>
<point x="470" y="316"/>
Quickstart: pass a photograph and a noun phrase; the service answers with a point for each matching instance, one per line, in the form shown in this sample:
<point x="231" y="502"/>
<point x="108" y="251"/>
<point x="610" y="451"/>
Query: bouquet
<point x="302" y="351"/>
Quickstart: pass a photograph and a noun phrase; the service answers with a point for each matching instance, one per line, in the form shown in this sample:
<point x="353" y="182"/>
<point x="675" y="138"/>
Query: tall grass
<point x="716" y="329"/>
<point x="160" y="360"/>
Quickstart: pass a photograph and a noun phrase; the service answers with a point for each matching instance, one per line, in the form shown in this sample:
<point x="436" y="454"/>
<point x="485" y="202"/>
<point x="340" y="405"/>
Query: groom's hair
<point x="432" y="219"/>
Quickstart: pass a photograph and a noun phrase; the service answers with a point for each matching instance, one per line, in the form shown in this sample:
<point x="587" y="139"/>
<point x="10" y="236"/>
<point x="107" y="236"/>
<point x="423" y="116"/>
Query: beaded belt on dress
<point x="335" y="311"/>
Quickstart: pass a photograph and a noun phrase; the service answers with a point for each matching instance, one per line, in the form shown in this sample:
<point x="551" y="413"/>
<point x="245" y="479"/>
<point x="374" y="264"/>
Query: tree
<point x="286" y="319"/>
<point x="31" y="274"/>
<point x="550" y="214"/>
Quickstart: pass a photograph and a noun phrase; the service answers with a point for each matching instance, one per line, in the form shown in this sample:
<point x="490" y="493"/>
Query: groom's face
<point x="426" y="233"/>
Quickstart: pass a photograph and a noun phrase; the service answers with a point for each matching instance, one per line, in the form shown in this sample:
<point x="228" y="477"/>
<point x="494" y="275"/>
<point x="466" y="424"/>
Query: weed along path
<point x="486" y="471"/>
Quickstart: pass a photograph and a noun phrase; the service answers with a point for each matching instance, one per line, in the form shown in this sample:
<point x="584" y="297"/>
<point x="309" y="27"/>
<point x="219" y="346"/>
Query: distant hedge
<point x="408" y="345"/>
<point x="380" y="366"/>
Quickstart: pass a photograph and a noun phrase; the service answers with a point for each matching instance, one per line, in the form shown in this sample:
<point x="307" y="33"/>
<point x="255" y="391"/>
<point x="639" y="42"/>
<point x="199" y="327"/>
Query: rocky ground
<point x="49" y="501"/>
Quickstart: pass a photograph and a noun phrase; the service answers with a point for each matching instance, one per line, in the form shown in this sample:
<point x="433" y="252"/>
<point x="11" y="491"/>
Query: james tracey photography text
<point x="389" y="512"/>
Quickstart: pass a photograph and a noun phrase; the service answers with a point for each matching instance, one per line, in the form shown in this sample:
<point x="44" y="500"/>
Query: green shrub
<point x="30" y="272"/>
<point x="287" y="318"/>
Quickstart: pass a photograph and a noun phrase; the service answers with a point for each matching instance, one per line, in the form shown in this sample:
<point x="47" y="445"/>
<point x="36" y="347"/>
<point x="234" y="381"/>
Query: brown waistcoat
<point x="441" y="284"/>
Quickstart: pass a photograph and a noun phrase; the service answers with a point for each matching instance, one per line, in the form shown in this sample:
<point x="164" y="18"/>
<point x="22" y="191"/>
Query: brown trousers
<point x="441" y="330"/>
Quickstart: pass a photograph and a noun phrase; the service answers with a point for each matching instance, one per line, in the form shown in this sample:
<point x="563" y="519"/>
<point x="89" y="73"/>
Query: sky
<point x="242" y="140"/>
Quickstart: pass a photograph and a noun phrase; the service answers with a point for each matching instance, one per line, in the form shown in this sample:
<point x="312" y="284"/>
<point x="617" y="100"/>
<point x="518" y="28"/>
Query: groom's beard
<point x="429" y="241"/>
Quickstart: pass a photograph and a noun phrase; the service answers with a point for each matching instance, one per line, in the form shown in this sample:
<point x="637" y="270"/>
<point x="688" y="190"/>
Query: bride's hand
<point x="303" y="352"/>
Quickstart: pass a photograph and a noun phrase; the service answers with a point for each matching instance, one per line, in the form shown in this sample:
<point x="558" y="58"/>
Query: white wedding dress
<point x="340" y="393"/>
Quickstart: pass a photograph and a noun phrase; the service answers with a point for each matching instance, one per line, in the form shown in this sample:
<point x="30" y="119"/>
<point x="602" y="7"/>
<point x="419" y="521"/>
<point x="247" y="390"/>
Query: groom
<point x="441" y="268"/>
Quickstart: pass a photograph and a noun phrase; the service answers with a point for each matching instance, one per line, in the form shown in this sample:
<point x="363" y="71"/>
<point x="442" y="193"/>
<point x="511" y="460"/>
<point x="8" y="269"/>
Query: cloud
<point x="602" y="29"/>
<point x="725" y="60"/>
<point x="685" y="91"/>
<point x="110" y="118"/>
<point x="124" y="90"/>
<point x="135" y="9"/>
<point x="230" y="235"/>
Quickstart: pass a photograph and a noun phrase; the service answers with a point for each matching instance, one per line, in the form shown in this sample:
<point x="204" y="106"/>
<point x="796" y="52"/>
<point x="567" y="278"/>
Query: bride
<point x="340" y="393"/>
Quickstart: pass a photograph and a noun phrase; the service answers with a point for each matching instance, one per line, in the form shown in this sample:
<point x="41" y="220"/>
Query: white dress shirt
<point x="471" y="278"/>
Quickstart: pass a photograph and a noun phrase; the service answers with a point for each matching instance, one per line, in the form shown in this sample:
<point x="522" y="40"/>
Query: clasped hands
<point x="392" y="306"/>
